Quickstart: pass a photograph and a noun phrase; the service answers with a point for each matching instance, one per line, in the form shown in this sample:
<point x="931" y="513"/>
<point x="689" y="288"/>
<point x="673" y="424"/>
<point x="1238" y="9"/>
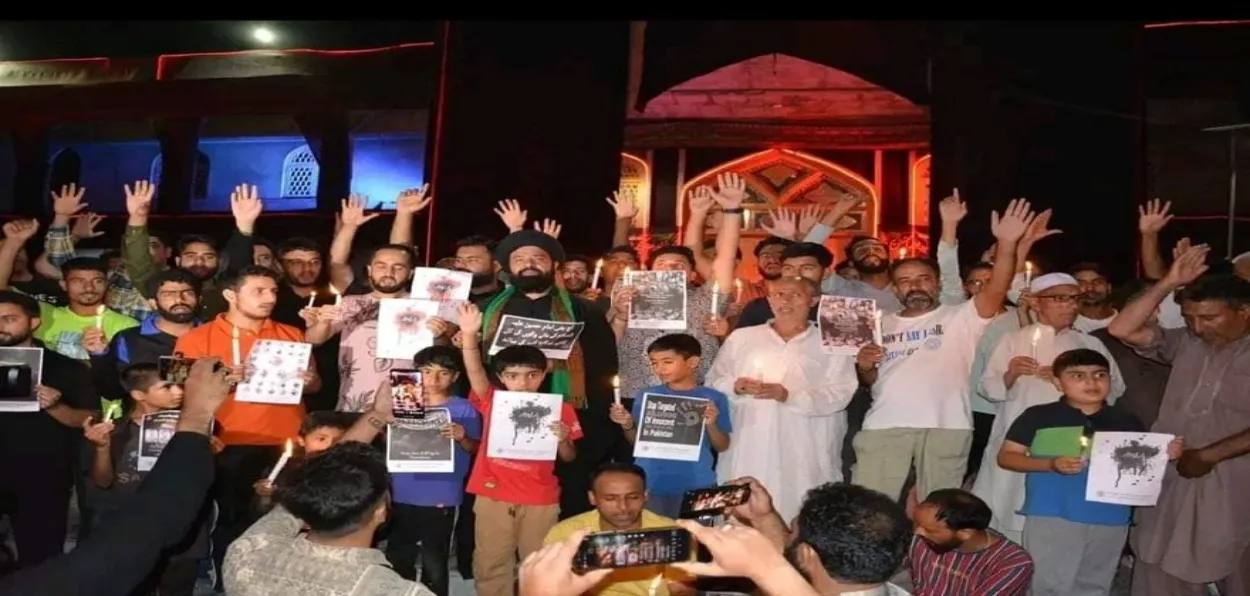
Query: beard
<point x="8" y="340"/>
<point x="576" y="285"/>
<point x="538" y="282"/>
<point x="479" y="279"/>
<point x="181" y="317"/>
<point x="1091" y="299"/>
<point x="877" y="265"/>
<point x="387" y="285"/>
<point x="773" y="276"/>
<point x="918" y="300"/>
<point x="942" y="547"/>
<point x="201" y="272"/>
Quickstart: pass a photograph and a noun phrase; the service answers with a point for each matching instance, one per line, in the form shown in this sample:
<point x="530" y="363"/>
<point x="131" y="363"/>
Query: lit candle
<point x="746" y="219"/>
<point x="1028" y="274"/>
<point x="902" y="252"/>
<point x="234" y="344"/>
<point x="594" y="281"/>
<point x="877" y="336"/>
<point x="338" y="298"/>
<point x="625" y="276"/>
<point x="737" y="290"/>
<point x="759" y="369"/>
<point x="616" y="389"/>
<point x="312" y="297"/>
<point x="1037" y="336"/>
<point x="1084" y="447"/>
<point x="99" y="317"/>
<point x="286" y="456"/>
<point x="715" y="297"/>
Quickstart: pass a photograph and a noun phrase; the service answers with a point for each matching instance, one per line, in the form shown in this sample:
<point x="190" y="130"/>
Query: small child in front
<point x="1075" y="543"/>
<point x="320" y="430"/>
<point x="518" y="501"/>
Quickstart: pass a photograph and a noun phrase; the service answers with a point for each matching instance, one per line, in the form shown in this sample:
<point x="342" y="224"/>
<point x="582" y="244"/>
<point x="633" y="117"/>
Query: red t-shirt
<point x="516" y="481"/>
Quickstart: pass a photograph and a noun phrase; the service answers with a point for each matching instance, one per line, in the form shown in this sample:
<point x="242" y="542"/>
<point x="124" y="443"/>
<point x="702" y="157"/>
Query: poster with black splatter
<point x="403" y="327"/>
<point x="447" y="287"/>
<point x="554" y="338"/>
<point x="659" y="299"/>
<point x="418" y="445"/>
<point x="671" y="427"/>
<point x="275" y="372"/>
<point x="520" y="426"/>
<point x="155" y="431"/>
<point x="1127" y="468"/>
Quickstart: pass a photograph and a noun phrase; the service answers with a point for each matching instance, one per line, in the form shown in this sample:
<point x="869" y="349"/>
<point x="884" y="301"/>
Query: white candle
<point x="338" y="298"/>
<point x="594" y="281"/>
<point x="759" y="369"/>
<point x="877" y="336"/>
<point x="616" y="389"/>
<point x="625" y="276"/>
<point x="286" y="456"/>
<point x="715" y="297"/>
<point x="1028" y="274"/>
<point x="1037" y="336"/>
<point x="99" y="317"/>
<point x="312" y="297"/>
<point x="737" y="290"/>
<point x="902" y="253"/>
<point x="234" y="344"/>
<point x="1084" y="447"/>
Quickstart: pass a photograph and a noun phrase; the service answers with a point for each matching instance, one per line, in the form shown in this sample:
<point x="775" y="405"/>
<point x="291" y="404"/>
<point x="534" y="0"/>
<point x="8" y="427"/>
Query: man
<point x="85" y="281"/>
<point x="616" y="262"/>
<point x="786" y="396"/>
<point x="575" y="274"/>
<point x="618" y="493"/>
<point x="340" y="497"/>
<point x="38" y="449"/>
<point x="253" y="433"/>
<point x="27" y="281"/>
<point x="476" y="255"/>
<point x="1144" y="379"/>
<point x="955" y="553"/>
<point x="983" y="410"/>
<point x="802" y="259"/>
<point x="531" y="258"/>
<point x="1199" y="531"/>
<point x="1096" y="311"/>
<point x="919" y="378"/>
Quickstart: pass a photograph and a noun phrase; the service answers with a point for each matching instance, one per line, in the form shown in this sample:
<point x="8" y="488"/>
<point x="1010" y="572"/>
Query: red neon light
<point x="438" y="142"/>
<point x="1194" y="24"/>
<point x="160" y="60"/>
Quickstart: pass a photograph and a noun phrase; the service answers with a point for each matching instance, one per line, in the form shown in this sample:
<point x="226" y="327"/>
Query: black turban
<point x="521" y="238"/>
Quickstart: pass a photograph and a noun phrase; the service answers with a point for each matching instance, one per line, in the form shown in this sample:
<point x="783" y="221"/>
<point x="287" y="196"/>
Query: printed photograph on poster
<point x="555" y="338"/>
<point x="155" y="431"/>
<point x="403" y="327"/>
<point x="275" y="372"/>
<point x="659" y="299"/>
<point x="21" y="371"/>
<point x="407" y="393"/>
<point x="846" y="324"/>
<point x="520" y="426"/>
<point x="1127" y="468"/>
<point x="438" y="285"/>
<point x="671" y="427"/>
<point x="418" y="445"/>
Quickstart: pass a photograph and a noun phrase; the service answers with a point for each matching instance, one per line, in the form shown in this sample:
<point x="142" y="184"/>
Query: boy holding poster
<point x="1075" y="543"/>
<point x="518" y="501"/>
<point x="675" y="358"/>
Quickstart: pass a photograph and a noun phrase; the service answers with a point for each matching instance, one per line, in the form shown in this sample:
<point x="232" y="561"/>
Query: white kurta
<point x="1003" y="489"/>
<point x="791" y="446"/>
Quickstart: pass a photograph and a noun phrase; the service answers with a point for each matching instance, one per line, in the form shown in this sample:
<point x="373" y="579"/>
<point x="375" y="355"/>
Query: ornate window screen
<point x="636" y="183"/>
<point x="300" y="172"/>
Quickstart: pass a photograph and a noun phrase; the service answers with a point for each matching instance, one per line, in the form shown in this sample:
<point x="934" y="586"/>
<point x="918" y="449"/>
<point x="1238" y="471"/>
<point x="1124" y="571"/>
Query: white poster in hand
<point x="155" y="431"/>
<point x="671" y="427"/>
<point x="403" y="327"/>
<point x="520" y="426"/>
<point x="1127" y="468"/>
<point x="659" y="299"/>
<point x="447" y="287"/>
<point x="21" y="372"/>
<point x="275" y="372"/>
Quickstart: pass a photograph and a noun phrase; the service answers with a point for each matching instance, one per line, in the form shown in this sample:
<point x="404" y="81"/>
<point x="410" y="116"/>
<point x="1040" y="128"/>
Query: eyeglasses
<point x="1061" y="298"/>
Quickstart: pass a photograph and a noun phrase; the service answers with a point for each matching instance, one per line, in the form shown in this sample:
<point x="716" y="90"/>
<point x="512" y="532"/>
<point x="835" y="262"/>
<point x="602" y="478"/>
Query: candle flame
<point x="1037" y="334"/>
<point x="738" y="283"/>
<point x="1028" y="267"/>
<point x="616" y="382"/>
<point x="99" y="312"/>
<point x="599" y="264"/>
<point x="902" y="253"/>
<point x="290" y="448"/>
<point x="234" y="331"/>
<point x="333" y="290"/>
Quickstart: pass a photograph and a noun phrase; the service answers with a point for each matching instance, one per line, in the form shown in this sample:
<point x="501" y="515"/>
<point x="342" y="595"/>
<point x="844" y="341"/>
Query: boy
<point x="518" y="501"/>
<point x="319" y="431"/>
<point x="1075" y="543"/>
<point x="675" y="358"/>
<point x="114" y="475"/>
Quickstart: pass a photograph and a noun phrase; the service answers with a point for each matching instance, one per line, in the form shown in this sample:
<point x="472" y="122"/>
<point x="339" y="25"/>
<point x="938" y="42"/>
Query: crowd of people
<point x="925" y="462"/>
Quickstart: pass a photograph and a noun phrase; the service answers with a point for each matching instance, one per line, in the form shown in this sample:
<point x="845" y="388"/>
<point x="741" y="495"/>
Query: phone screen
<point x="704" y="501"/>
<point x="635" y="548"/>
<point x="174" y="369"/>
<point x="407" y="394"/>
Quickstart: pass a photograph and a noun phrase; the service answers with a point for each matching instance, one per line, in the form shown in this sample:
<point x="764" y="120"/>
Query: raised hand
<point x="623" y="204"/>
<point x="1012" y="224"/>
<point x="1039" y="228"/>
<point x="549" y="227"/>
<point x="68" y="201"/>
<point x="139" y="198"/>
<point x="784" y="224"/>
<point x="1188" y="266"/>
<point x="700" y="199"/>
<point x="413" y="200"/>
<point x="352" y="211"/>
<point x="809" y="216"/>
<point x="952" y="208"/>
<point x="84" y="226"/>
<point x="470" y="318"/>
<point x="21" y="230"/>
<point x="246" y="206"/>
<point x="731" y="190"/>
<point x="510" y="212"/>
<point x="1153" y="216"/>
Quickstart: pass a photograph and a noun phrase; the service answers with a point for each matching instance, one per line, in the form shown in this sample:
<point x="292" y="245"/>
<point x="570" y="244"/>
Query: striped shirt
<point x="1003" y="569"/>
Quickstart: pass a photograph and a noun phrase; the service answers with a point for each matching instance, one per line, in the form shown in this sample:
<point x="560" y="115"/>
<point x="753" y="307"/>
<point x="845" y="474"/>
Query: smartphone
<point x="633" y="548"/>
<point x="711" y="501"/>
<point x="174" y="369"/>
<point x="407" y="394"/>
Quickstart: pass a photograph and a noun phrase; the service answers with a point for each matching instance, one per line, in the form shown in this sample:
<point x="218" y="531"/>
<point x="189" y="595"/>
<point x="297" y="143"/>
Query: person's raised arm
<point x="16" y="234"/>
<point x="625" y="208"/>
<point x="731" y="191"/>
<point x="141" y="267"/>
<point x="407" y="205"/>
<point x="952" y="210"/>
<point x="474" y="370"/>
<point x="1132" y="325"/>
<point x="700" y="202"/>
<point x="1008" y="229"/>
<point x="1151" y="219"/>
<point x="352" y="216"/>
<point x="367" y="427"/>
<point x="59" y="242"/>
<point x="246" y="206"/>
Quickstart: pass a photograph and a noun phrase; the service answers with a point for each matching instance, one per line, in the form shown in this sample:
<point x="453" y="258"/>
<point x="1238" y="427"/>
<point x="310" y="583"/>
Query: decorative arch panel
<point x="919" y="196"/>
<point x="636" y="184"/>
<point x="300" y="173"/>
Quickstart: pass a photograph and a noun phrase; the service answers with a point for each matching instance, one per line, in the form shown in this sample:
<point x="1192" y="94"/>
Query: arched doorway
<point x="636" y="183"/>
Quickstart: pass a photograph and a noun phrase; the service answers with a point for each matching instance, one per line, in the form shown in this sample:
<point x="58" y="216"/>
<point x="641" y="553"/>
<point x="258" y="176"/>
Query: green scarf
<point x="567" y="376"/>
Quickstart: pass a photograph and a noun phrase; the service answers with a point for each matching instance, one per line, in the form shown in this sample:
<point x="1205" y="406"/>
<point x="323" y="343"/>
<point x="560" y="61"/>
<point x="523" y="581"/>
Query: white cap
<point x="1241" y="257"/>
<point x="1045" y="282"/>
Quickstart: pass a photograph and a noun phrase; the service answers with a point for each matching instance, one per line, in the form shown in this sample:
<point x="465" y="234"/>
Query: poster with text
<point x="155" y="431"/>
<point x="659" y="299"/>
<point x="275" y="372"/>
<point x="671" y="427"/>
<point x="520" y="425"/>
<point x="1127" y="468"/>
<point x="403" y="327"/>
<point x="21" y="371"/>
<point x="846" y="324"/>
<point x="418" y="444"/>
<point x="555" y="338"/>
<point x="447" y="287"/>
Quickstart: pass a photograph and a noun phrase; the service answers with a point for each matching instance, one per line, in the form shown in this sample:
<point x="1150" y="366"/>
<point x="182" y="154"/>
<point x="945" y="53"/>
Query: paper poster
<point x="447" y="287"/>
<point x="418" y="445"/>
<point x="555" y="338"/>
<point x="1127" y="468"/>
<point x="659" y="300"/>
<point x="670" y="427"/>
<point x="155" y="431"/>
<point x="846" y="324"/>
<point x="275" y="372"/>
<point x="403" y="327"/>
<point x="520" y="425"/>
<point x="21" y="371"/>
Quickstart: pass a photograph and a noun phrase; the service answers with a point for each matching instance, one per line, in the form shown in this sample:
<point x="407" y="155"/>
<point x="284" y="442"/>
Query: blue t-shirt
<point x="672" y="478"/>
<point x="427" y="489"/>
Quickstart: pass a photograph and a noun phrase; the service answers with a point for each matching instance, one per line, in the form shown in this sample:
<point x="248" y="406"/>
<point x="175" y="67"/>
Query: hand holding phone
<point x="713" y="501"/>
<point x="633" y="548"/>
<point x="407" y="394"/>
<point x="174" y="369"/>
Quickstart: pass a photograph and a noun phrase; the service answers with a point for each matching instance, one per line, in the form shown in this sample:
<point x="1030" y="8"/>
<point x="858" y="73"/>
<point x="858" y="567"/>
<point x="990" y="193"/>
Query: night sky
<point x="41" y="40"/>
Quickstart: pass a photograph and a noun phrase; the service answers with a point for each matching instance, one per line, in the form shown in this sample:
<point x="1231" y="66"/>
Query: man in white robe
<point x="1018" y="377"/>
<point x="787" y="399"/>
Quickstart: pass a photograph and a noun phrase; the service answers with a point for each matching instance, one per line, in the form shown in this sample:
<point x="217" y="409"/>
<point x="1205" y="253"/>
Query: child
<point x="319" y="431"/>
<point x="1075" y="543"/>
<point x="518" y="501"/>
<point x="114" y="475"/>
<point x="675" y="358"/>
